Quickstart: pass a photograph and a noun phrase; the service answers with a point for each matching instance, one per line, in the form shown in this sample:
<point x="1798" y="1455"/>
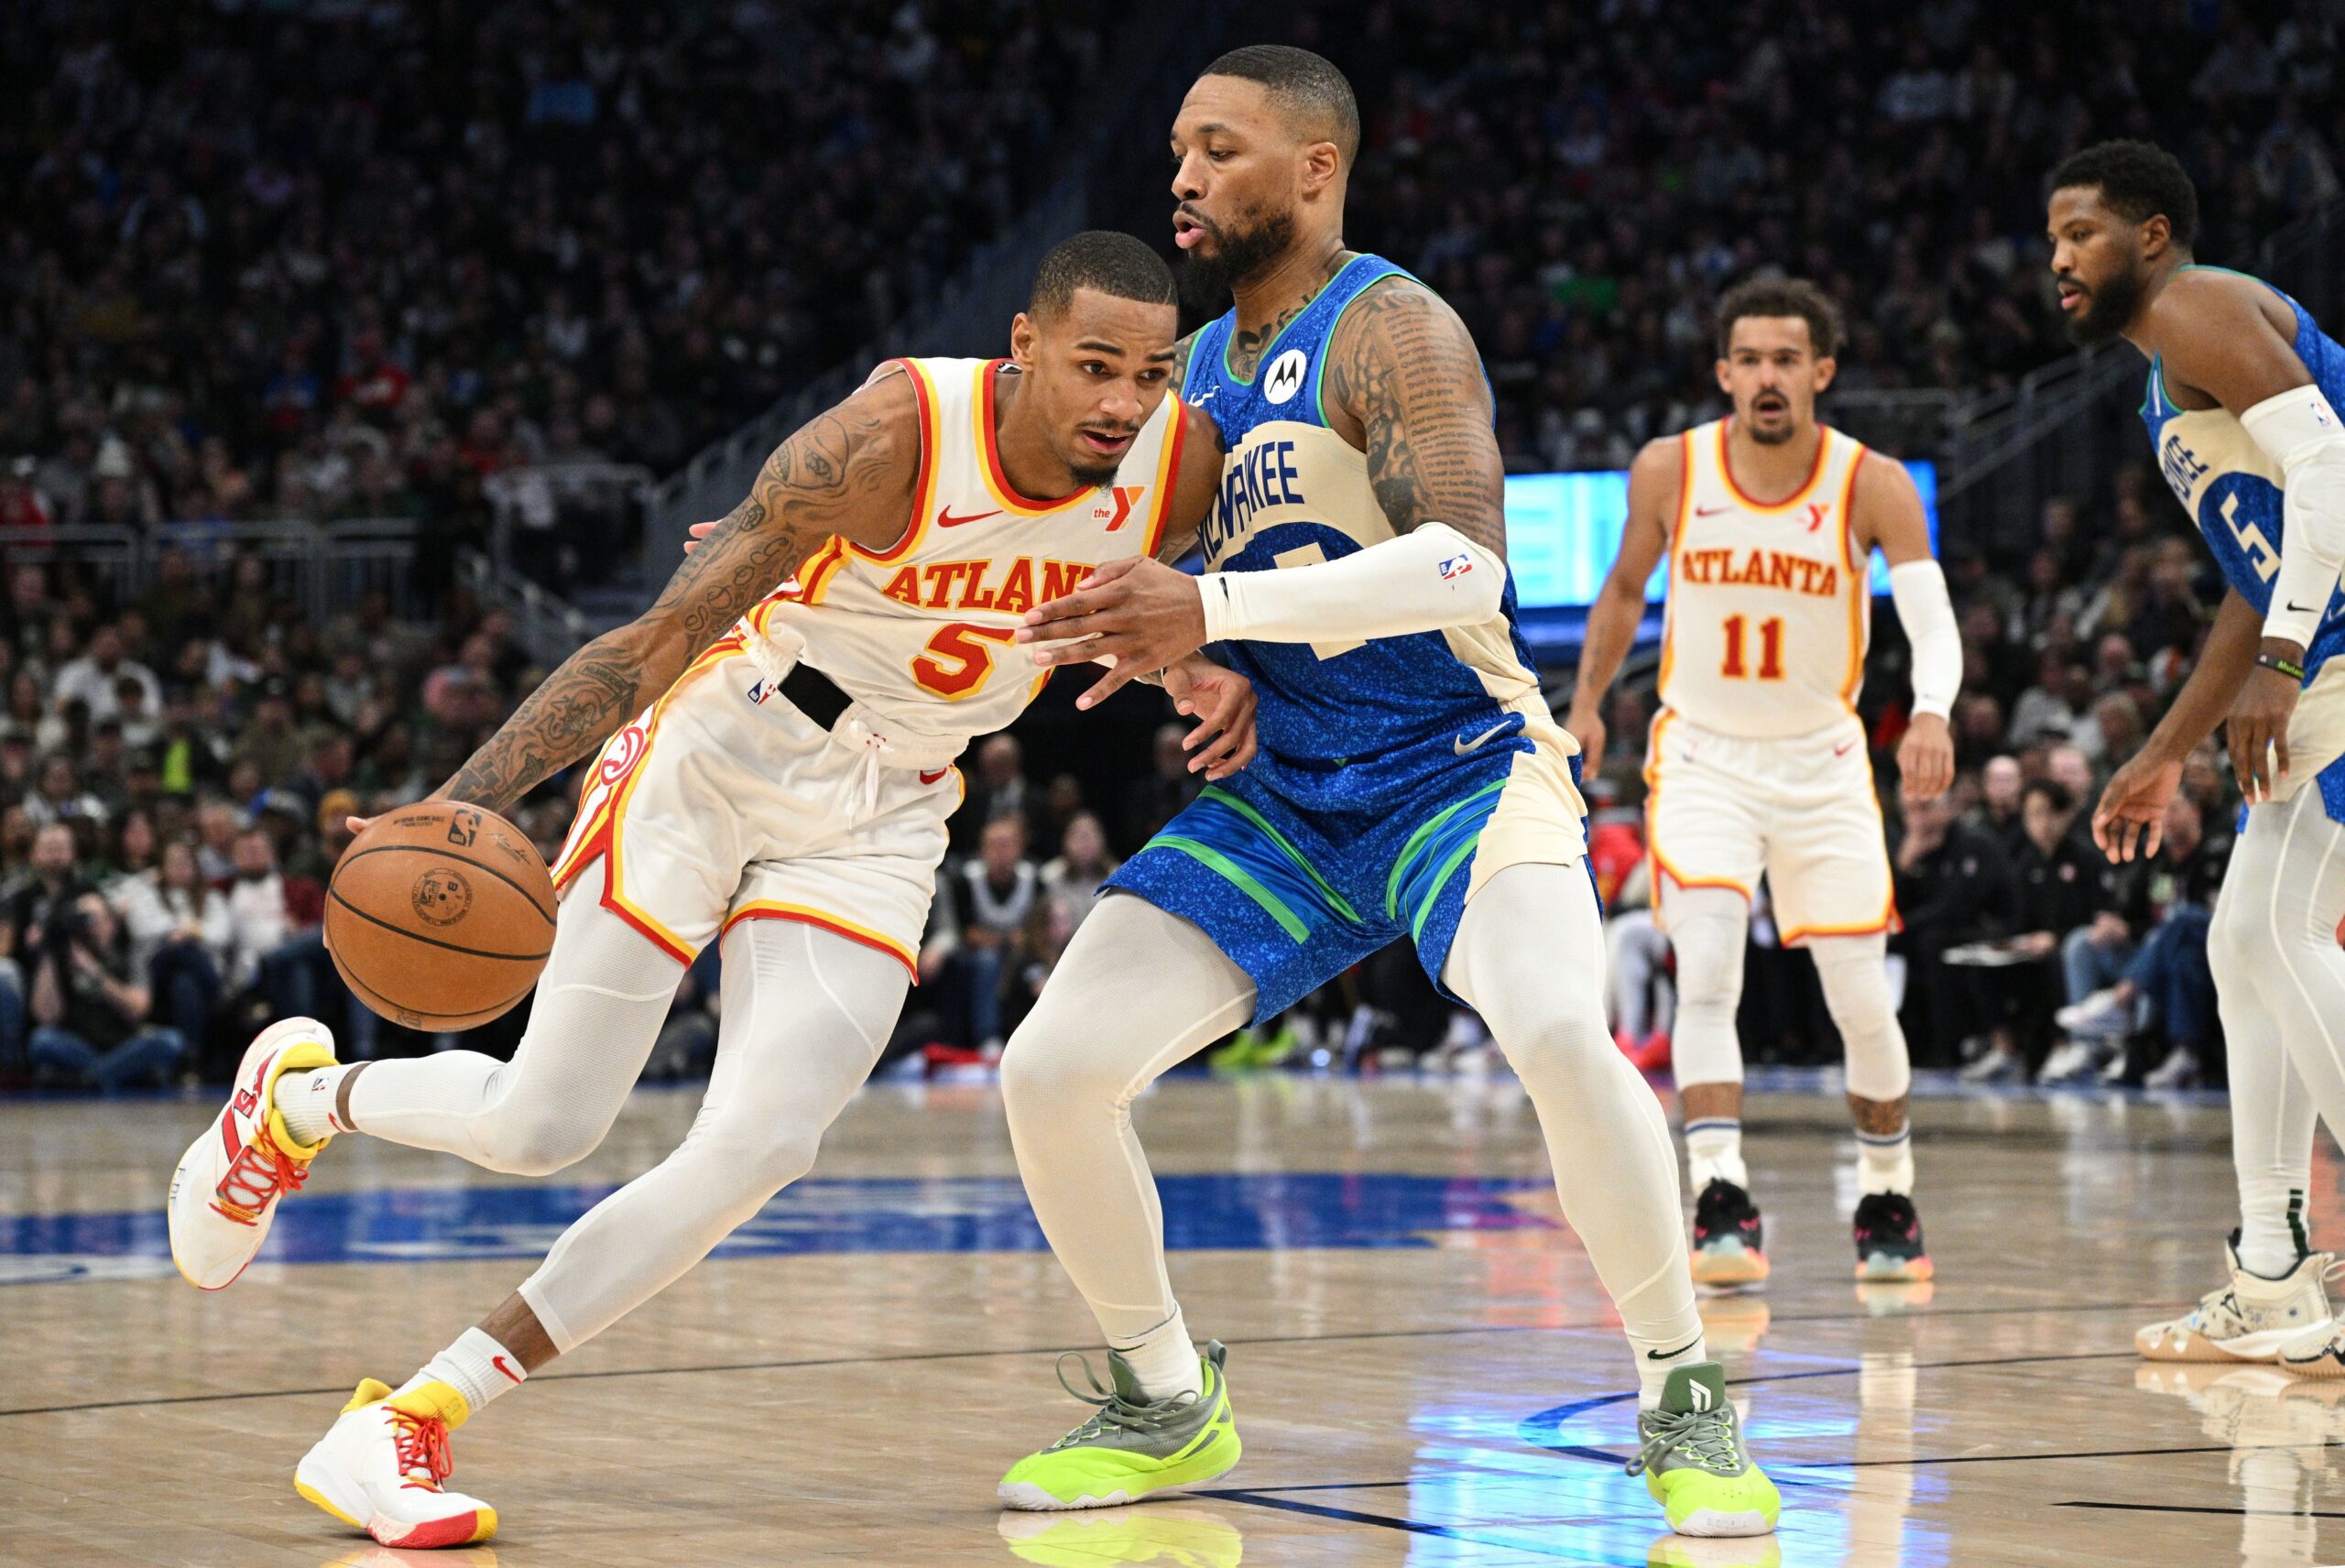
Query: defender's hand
<point x="701" y="531"/>
<point x="2132" y="812"/>
<point x="1222" y="701"/>
<point x="1139" y="612"/>
<point x="1926" y="758"/>
<point x="2257" y="728"/>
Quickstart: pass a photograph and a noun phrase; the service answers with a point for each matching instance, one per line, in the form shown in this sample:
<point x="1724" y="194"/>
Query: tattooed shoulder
<point x="1405" y="383"/>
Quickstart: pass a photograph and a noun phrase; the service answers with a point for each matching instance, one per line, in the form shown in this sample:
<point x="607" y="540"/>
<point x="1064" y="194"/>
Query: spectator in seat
<point x="997" y="892"/>
<point x="2163" y="982"/>
<point x="1073" y="880"/>
<point x="90" y="1029"/>
<point x="1953" y="887"/>
<point x="181" y="939"/>
<point x="998" y="790"/>
<point x="90" y="678"/>
<point x="2060" y="882"/>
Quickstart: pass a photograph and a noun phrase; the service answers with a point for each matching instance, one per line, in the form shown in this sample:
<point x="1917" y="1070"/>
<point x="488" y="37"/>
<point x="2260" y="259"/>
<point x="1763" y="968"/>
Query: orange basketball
<point x="441" y="916"/>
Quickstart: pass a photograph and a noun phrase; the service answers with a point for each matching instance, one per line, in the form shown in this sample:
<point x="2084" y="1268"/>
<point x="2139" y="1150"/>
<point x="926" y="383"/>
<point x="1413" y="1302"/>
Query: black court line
<point x="1474" y="1535"/>
<point x="788" y="1364"/>
<point x="2176" y="1509"/>
<point x="2086" y="1453"/>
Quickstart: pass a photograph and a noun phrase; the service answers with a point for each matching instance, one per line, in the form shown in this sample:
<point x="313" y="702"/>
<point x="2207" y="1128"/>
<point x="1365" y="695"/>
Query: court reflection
<point x="1171" y="1535"/>
<point x="2279" y="1430"/>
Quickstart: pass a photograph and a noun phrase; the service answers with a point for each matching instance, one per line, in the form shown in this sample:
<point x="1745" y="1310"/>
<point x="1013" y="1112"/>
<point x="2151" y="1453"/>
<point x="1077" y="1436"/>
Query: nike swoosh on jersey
<point x="945" y="519"/>
<point x="1710" y="511"/>
<point x="1461" y="745"/>
<point x="1843" y="749"/>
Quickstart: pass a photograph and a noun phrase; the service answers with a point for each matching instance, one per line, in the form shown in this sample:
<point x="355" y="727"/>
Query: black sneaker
<point x="1728" y="1236"/>
<point x="1889" y="1240"/>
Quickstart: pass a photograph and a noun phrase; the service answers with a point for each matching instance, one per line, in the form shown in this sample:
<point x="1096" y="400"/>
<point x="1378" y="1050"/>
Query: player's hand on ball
<point x="1139" y="613"/>
<point x="1222" y="701"/>
<point x="2256" y="731"/>
<point x="1926" y="758"/>
<point x="2132" y="812"/>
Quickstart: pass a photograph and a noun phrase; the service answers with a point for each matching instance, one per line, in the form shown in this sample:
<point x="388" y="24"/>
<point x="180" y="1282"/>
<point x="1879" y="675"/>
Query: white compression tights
<point x="805" y="1015"/>
<point x="2280" y="985"/>
<point x="1711" y="927"/>
<point x="1140" y="989"/>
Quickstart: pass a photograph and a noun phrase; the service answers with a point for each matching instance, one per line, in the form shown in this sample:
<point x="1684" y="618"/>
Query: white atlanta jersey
<point x="1769" y="608"/>
<point x="920" y="634"/>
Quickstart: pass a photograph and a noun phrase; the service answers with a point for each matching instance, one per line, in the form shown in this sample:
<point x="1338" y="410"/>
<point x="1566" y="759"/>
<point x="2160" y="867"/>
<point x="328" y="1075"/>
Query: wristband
<point x="2274" y="661"/>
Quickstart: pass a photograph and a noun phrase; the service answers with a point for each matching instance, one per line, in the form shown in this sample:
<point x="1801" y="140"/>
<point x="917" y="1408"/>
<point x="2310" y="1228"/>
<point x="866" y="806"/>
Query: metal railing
<point x="547" y="625"/>
<point x="567" y="522"/>
<point x="319" y="566"/>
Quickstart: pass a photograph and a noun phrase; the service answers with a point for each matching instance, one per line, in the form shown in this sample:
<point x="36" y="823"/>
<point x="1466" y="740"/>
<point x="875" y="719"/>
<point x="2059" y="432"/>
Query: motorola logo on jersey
<point x="1285" y="376"/>
<point x="1263" y="474"/>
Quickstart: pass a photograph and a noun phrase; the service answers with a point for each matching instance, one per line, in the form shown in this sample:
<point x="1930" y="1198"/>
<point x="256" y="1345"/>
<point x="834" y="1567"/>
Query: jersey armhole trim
<point x="924" y="488"/>
<point x="1860" y="583"/>
<point x="1168" y="475"/>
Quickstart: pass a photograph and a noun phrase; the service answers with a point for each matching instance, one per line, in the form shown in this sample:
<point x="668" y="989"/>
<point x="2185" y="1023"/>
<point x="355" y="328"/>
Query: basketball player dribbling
<point x="1410" y="785"/>
<point x="2242" y="411"/>
<point x="1757" y="760"/>
<point x="785" y="794"/>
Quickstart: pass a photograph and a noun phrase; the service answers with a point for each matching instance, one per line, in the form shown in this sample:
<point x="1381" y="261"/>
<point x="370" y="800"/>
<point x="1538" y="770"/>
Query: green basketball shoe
<point x="1693" y="1462"/>
<point x="1134" y="1447"/>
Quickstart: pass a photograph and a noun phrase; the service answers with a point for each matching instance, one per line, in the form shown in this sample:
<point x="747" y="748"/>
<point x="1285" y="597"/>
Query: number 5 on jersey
<point x="959" y="658"/>
<point x="1771" y="649"/>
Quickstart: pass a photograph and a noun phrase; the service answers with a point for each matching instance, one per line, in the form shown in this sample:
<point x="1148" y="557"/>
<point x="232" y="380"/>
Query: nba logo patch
<point x="1456" y="566"/>
<point x="758" y="692"/>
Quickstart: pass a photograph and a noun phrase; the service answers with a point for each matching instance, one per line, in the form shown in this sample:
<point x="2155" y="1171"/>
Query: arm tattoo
<point x="1405" y="365"/>
<point x="839" y="475"/>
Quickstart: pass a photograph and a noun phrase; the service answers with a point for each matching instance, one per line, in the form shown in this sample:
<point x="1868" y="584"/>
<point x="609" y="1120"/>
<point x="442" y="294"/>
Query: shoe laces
<point x="1704" y="1437"/>
<point x="1114" y="1411"/>
<point x="421" y="1446"/>
<point x="259" y="1174"/>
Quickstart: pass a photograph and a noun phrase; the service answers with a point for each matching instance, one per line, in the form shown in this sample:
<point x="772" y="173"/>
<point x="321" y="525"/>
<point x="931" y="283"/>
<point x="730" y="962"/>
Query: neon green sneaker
<point x="1693" y="1462"/>
<point x="1134" y="1447"/>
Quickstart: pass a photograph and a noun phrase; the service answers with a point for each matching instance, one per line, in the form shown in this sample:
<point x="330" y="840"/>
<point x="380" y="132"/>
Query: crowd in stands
<point x="317" y="261"/>
<point x="1579" y="180"/>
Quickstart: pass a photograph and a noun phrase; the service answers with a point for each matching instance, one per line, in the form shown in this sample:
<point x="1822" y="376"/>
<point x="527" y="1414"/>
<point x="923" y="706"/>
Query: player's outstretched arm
<point x="849" y="471"/>
<point x="1887" y="512"/>
<point x="1656" y="479"/>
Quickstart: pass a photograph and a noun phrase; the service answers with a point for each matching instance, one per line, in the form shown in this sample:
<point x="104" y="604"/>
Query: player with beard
<point x="1757" y="760"/>
<point x="1410" y="784"/>
<point x="2242" y="411"/>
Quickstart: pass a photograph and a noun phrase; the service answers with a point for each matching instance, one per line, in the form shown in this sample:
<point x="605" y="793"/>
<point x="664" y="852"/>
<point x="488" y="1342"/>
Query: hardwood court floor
<point x="1420" y="1359"/>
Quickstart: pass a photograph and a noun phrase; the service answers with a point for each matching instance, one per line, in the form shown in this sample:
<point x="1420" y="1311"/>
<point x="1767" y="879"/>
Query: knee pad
<point x="1855" y="973"/>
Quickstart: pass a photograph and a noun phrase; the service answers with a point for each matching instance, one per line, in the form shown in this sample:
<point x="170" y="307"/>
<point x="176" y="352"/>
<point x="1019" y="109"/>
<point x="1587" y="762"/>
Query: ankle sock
<point x="1714" y="1152"/>
<point x="306" y="1100"/>
<point x="1654" y="1370"/>
<point x="1886" y="1162"/>
<point x="2272" y="1239"/>
<point x="475" y="1366"/>
<point x="1164" y="1360"/>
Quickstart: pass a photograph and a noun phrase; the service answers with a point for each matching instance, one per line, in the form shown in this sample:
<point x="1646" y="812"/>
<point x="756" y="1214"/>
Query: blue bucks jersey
<point x="1342" y="726"/>
<point x="2233" y="490"/>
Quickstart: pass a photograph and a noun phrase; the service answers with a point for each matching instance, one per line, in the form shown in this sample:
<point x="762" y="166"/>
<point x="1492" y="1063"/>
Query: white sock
<point x="1714" y="1152"/>
<point x="1652" y="1372"/>
<point x="2271" y="1228"/>
<point x="1164" y="1360"/>
<point x="1886" y="1162"/>
<point x="476" y="1366"/>
<point x="307" y="1100"/>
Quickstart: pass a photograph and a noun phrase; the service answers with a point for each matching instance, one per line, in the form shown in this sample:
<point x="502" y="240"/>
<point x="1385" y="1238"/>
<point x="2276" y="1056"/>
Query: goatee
<point x="2107" y="310"/>
<point x="1206" y="278"/>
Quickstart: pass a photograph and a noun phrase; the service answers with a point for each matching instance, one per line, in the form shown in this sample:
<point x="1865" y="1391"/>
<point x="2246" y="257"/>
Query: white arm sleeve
<point x="2298" y="431"/>
<point x="1429" y="578"/>
<point x="1927" y="616"/>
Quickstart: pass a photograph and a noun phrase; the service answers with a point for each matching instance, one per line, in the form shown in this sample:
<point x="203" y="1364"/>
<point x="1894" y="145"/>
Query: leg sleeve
<point x="598" y="1008"/>
<point x="1711" y="928"/>
<point x="1530" y="957"/>
<point x="806" y="1012"/>
<point x="2272" y="1111"/>
<point x="2274" y="946"/>
<point x="1138" y="991"/>
<point x="1855" y="975"/>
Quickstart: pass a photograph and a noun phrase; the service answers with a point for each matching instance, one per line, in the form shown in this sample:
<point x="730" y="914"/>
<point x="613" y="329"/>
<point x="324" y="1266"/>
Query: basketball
<point x="439" y="916"/>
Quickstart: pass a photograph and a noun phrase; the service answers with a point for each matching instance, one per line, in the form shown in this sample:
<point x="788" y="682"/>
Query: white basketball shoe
<point x="2249" y="1319"/>
<point x="225" y="1192"/>
<point x="383" y="1466"/>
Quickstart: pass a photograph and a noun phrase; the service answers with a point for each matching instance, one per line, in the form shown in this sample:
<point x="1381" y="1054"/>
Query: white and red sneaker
<point x="225" y="1192"/>
<point x="381" y="1468"/>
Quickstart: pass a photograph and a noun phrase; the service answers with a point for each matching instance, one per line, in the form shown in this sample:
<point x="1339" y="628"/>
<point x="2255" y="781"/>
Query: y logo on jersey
<point x="1285" y="378"/>
<point x="1126" y="496"/>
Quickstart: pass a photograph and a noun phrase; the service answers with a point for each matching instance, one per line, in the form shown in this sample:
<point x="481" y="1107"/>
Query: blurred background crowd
<point x="341" y="260"/>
